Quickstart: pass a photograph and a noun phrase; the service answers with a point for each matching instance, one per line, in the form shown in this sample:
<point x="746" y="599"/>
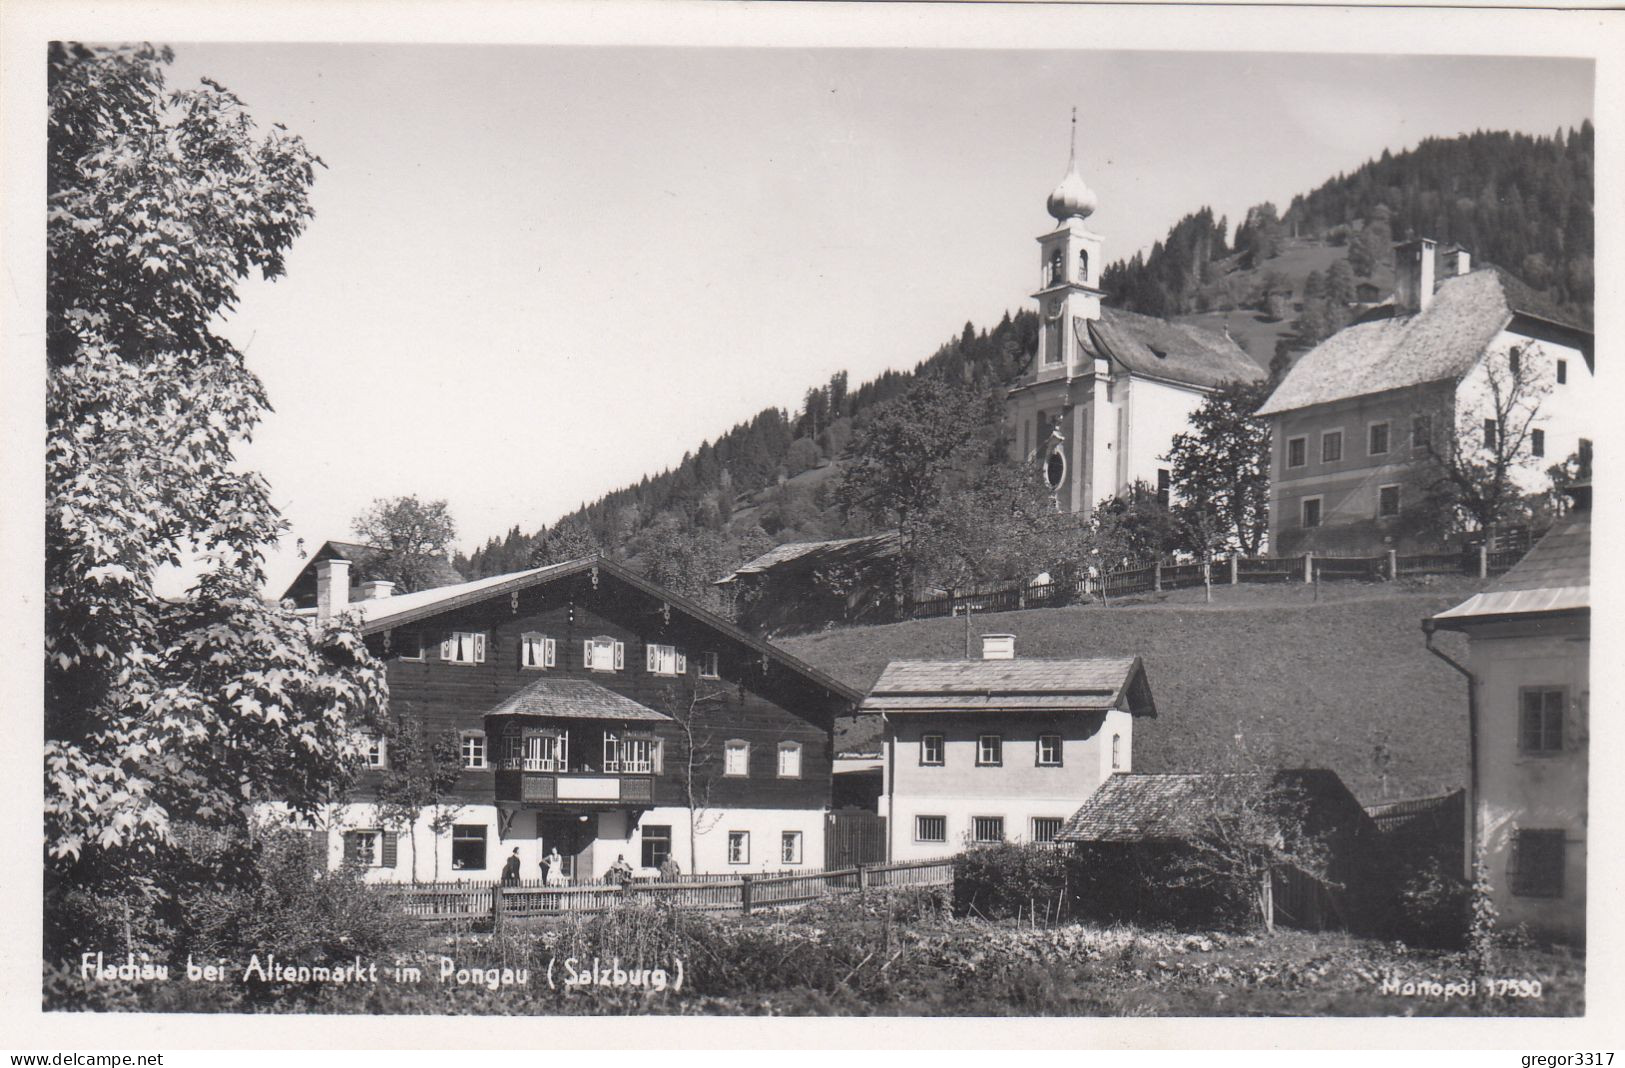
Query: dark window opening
<point x="468" y="846"/>
<point x="656" y="845"/>
<point x="1055" y="470"/>
<point x="1311" y="512"/>
<point x="1541" y="721"/>
<point x="1562" y="371"/>
<point x="1537" y="863"/>
<point x="1537" y="442"/>
<point x="1489" y="433"/>
<point x="1164" y="486"/>
<point x="1388" y="501"/>
<point x="1297" y="452"/>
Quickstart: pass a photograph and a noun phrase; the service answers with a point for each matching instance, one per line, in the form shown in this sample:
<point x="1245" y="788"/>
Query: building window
<point x="1377" y="439"/>
<point x="1049" y="750"/>
<point x="656" y="844"/>
<point x="789" y="760"/>
<point x="986" y="829"/>
<point x="931" y="750"/>
<point x="1083" y="265"/>
<point x="1331" y="446"/>
<point x="536" y="750"/>
<point x="603" y="654"/>
<point x="468" y="846"/>
<point x="631" y="755"/>
<point x="709" y="666"/>
<point x="538" y="651"/>
<point x="473" y="747"/>
<point x="664" y="660"/>
<point x="1117" y="752"/>
<point x="464" y="647"/>
<point x="375" y="751"/>
<point x="1537" y="442"/>
<point x="930" y="828"/>
<point x="1562" y="371"/>
<point x="738" y="847"/>
<point x="1489" y="434"/>
<point x="1164" y="486"/>
<point x="1297" y="452"/>
<point x="736" y="758"/>
<point x="370" y="849"/>
<point x="790" y="847"/>
<point x="1421" y="431"/>
<point x="1541" y="724"/>
<point x="1311" y="512"/>
<point x="1045" y="828"/>
<point x="1055" y="469"/>
<point x="1057" y="268"/>
<point x="1537" y="863"/>
<point x="989" y="751"/>
<point x="1387" y="501"/>
<point x="408" y="644"/>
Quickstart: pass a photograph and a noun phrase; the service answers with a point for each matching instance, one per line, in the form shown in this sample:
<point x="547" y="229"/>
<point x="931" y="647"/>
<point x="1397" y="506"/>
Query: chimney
<point x="1413" y="275"/>
<point x="373" y="589"/>
<point x="998" y="647"/>
<point x="332" y="588"/>
<point x="1457" y="261"/>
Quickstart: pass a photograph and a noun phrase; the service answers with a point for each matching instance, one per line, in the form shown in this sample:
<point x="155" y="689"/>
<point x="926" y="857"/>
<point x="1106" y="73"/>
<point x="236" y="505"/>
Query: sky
<point x="538" y="273"/>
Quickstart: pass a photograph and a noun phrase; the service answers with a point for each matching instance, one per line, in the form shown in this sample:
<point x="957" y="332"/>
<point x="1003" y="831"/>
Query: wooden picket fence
<point x="496" y="902"/>
<point x="1141" y="577"/>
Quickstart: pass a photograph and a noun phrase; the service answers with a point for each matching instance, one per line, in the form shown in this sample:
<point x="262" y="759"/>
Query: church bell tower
<point x="1070" y="263"/>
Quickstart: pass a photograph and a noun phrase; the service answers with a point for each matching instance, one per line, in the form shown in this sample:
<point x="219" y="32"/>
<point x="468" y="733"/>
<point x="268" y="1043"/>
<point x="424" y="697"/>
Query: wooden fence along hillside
<point x="726" y="893"/>
<point x="1173" y="575"/>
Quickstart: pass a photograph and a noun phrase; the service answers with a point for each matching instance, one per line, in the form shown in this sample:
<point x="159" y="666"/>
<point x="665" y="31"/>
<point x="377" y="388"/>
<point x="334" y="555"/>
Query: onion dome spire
<point x="1072" y="199"/>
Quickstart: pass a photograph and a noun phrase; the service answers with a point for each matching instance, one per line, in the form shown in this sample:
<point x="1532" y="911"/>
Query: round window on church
<point x="1055" y="469"/>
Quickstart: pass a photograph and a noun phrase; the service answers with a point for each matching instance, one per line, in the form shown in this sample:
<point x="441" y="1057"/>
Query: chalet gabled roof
<point x="302" y="590"/>
<point x="574" y="699"/>
<point x="1439" y="344"/>
<point x="1020" y="685"/>
<point x="800" y="554"/>
<point x="1172" y="352"/>
<point x="386" y="613"/>
<point x="1555" y="576"/>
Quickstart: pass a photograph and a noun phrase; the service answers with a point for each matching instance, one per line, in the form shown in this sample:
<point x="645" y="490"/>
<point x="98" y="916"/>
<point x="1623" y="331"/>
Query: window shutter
<point x="586" y="654"/>
<point x="479" y="648"/>
<point x="389" y="849"/>
<point x="445" y="649"/>
<point x="682" y="663"/>
<point x="651" y="659"/>
<point x="352" y="848"/>
<point x="620" y="655"/>
<point x="550" y="654"/>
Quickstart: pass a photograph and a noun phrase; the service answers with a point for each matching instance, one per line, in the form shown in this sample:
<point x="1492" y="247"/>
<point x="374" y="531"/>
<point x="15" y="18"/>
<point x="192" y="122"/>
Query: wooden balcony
<point x="587" y="789"/>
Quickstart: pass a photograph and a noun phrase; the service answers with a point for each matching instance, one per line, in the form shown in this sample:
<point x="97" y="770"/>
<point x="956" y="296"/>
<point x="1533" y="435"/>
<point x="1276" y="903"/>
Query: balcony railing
<point x="527" y="785"/>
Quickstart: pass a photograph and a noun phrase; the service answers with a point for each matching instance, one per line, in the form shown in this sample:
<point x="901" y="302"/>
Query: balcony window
<point x="603" y="654"/>
<point x="631" y="754"/>
<point x="468" y="846"/>
<point x="536" y="750"/>
<point x="538" y="651"/>
<point x="790" y="847"/>
<point x="736" y="758"/>
<point x="473" y="749"/>
<point x="464" y="647"/>
<point x="738" y="847"/>
<point x="789" y="760"/>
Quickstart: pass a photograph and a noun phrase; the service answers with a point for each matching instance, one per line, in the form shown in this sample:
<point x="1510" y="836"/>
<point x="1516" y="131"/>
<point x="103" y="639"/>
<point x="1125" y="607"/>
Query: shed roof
<point x="1440" y="343"/>
<point x="574" y="699"/>
<point x="1135" y="807"/>
<point x="1555" y="576"/>
<point x="1021" y="685"/>
<point x="817" y="554"/>
<point x="1156" y="348"/>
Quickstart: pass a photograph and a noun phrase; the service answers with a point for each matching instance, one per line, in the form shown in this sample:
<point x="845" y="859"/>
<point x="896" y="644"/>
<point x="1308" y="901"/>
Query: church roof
<point x="1156" y="348"/>
<point x="1440" y="343"/>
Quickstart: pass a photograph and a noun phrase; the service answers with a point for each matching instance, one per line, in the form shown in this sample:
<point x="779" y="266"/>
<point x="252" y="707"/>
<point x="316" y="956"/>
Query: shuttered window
<point x="538" y="651"/>
<point x="664" y="660"/>
<point x="464" y="647"/>
<point x="370" y="849"/>
<point x="603" y="654"/>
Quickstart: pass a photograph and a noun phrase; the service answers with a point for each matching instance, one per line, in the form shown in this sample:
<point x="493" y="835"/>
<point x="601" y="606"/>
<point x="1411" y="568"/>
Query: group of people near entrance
<point x="620" y="873"/>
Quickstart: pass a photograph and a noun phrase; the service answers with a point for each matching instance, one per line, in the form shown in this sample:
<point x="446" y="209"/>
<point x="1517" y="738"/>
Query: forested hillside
<point x="1280" y="284"/>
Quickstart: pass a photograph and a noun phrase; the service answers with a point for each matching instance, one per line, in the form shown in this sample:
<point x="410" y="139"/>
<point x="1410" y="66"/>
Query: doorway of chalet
<point x="572" y="835"/>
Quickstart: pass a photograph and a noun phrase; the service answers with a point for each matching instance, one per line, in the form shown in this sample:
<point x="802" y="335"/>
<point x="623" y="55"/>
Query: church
<point x="1108" y="389"/>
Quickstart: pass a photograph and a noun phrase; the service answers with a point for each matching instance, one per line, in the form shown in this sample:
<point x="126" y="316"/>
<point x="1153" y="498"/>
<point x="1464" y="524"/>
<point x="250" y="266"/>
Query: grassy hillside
<point x="1343" y="683"/>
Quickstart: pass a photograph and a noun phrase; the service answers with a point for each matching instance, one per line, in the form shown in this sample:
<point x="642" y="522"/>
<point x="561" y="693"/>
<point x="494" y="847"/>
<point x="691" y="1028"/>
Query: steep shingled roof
<point x="1441" y="343"/>
<point x="1555" y="576"/>
<point x="1021" y="685"/>
<point x="1156" y="348"/>
<point x="817" y="553"/>
<point x="1136" y="807"/>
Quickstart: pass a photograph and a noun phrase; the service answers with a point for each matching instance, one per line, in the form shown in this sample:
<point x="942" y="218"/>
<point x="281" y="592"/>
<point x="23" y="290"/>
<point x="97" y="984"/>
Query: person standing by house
<point x="510" y="869"/>
<point x="619" y="872"/>
<point x="553" y="864"/>
<point x="669" y="871"/>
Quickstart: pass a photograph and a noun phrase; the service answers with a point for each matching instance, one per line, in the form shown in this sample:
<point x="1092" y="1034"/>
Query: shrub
<point x="1432" y="907"/>
<point x="1011" y="881"/>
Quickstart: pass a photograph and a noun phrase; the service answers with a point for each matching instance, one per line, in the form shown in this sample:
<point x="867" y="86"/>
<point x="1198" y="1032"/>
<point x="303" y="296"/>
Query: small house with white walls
<point x="1107" y="389"/>
<point x="999" y="749"/>
<point x="594" y="713"/>
<point x="1356" y="424"/>
<point x="1528" y="672"/>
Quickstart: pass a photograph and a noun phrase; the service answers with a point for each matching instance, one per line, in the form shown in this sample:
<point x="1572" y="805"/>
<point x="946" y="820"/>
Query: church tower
<point x="1070" y="263"/>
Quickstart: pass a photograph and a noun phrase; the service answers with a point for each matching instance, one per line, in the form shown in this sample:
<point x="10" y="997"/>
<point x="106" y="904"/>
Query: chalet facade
<point x="997" y="749"/>
<point x="1108" y="389"/>
<point x="1352" y="423"/>
<point x="594" y="713"/>
<point x="1528" y="669"/>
